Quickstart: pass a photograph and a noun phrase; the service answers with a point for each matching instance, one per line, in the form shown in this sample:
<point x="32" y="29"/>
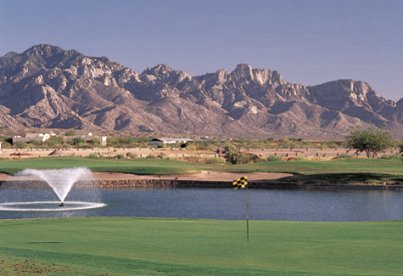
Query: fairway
<point x="133" y="246"/>
<point x="150" y="166"/>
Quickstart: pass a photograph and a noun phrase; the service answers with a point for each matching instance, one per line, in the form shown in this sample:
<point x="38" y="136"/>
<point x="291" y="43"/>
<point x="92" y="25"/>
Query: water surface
<point x="298" y="205"/>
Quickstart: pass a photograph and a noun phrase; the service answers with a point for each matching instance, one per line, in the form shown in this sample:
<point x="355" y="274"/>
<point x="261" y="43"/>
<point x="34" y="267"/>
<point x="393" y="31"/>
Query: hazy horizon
<point x="309" y="42"/>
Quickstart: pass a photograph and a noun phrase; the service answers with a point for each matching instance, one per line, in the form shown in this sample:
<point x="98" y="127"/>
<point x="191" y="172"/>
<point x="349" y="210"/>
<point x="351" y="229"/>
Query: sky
<point x="308" y="41"/>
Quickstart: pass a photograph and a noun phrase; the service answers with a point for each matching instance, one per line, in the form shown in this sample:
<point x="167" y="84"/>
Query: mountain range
<point x="48" y="87"/>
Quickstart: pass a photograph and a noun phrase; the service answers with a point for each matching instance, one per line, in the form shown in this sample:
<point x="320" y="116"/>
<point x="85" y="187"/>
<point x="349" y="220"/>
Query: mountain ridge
<point x="48" y="87"/>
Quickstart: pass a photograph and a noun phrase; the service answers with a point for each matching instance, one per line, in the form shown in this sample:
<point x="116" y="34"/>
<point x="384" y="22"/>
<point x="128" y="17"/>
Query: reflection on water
<point x="229" y="204"/>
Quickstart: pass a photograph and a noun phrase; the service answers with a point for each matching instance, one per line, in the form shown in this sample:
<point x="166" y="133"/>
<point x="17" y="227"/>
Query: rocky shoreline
<point x="177" y="183"/>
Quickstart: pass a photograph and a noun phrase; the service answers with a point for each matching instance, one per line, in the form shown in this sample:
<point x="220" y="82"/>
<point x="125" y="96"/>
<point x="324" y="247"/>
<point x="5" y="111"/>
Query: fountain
<point x="61" y="181"/>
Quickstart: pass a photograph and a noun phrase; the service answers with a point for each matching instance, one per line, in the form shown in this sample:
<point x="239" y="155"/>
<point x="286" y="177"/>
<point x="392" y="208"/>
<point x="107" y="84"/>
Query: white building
<point x="169" y="141"/>
<point x="104" y="140"/>
<point x="33" y="137"/>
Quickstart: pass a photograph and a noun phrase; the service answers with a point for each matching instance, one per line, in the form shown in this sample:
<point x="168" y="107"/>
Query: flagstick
<point x="247" y="212"/>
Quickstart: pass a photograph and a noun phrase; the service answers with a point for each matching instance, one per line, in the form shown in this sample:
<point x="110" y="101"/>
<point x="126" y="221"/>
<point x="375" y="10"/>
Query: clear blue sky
<point x="308" y="41"/>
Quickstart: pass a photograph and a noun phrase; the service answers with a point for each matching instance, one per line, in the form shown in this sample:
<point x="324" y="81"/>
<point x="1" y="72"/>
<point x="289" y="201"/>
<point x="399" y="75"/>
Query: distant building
<point x="18" y="138"/>
<point x="33" y="137"/>
<point x="169" y="141"/>
<point x="104" y="141"/>
<point x="88" y="138"/>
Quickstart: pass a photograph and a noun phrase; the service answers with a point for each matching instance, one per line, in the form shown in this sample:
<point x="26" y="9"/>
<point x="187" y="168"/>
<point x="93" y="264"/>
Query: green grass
<point x="339" y="171"/>
<point x="134" y="246"/>
<point x="138" y="166"/>
<point x="392" y="166"/>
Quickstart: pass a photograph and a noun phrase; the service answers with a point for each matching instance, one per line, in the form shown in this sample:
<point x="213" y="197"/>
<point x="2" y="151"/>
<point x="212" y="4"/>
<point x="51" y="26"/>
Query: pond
<point x="296" y="205"/>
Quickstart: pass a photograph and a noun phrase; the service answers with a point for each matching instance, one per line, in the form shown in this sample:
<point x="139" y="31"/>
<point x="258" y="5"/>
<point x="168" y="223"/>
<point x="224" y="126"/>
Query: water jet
<point x="61" y="182"/>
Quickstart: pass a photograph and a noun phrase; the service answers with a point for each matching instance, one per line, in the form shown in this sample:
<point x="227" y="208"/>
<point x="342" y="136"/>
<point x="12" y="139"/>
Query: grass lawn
<point x="137" y="246"/>
<point x="157" y="166"/>
<point x="137" y="166"/>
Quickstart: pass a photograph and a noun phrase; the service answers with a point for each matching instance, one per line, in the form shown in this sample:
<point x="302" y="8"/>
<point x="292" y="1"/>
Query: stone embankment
<point x="172" y="183"/>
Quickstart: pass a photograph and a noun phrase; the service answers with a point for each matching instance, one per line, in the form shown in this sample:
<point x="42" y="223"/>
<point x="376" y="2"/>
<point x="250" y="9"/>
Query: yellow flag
<point x="240" y="183"/>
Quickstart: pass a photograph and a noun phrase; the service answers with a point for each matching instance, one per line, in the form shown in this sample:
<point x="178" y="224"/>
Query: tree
<point x="369" y="140"/>
<point x="20" y="145"/>
<point x="54" y="141"/>
<point x="76" y="141"/>
<point x="234" y="156"/>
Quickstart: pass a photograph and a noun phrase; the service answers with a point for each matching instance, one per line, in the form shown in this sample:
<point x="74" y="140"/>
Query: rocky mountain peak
<point x="46" y="86"/>
<point x="44" y="50"/>
<point x="159" y="69"/>
<point x="164" y="73"/>
<point x="243" y="71"/>
<point x="259" y="76"/>
<point x="221" y="76"/>
<point x="399" y="104"/>
<point x="10" y="54"/>
<point x="346" y="88"/>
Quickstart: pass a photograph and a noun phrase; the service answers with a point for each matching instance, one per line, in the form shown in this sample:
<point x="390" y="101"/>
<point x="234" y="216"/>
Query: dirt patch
<point x="10" y="267"/>
<point x="202" y="176"/>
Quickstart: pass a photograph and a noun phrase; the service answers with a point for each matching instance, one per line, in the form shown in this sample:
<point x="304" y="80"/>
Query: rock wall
<point x="171" y="184"/>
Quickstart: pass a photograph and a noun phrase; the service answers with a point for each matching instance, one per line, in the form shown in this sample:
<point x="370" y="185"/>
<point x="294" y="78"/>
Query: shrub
<point x="131" y="155"/>
<point x="234" y="156"/>
<point x="93" y="155"/>
<point x="119" y="156"/>
<point x="76" y="141"/>
<point x="54" y="141"/>
<point x="20" y="145"/>
<point x="70" y="133"/>
<point x="388" y="157"/>
<point x="273" y="158"/>
<point x="343" y="156"/>
<point x="214" y="161"/>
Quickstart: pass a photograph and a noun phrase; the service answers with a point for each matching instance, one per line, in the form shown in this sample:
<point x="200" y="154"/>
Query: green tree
<point x="369" y="140"/>
<point x="54" y="141"/>
<point x="20" y="145"/>
<point x="76" y="141"/>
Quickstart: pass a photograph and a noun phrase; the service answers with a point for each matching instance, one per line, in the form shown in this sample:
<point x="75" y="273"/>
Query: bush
<point x="6" y="141"/>
<point x="20" y="145"/>
<point x="343" y="156"/>
<point x="273" y="158"/>
<point x="70" y="133"/>
<point x="214" y="161"/>
<point x="131" y="155"/>
<point x="119" y="156"/>
<point x="389" y="157"/>
<point x="128" y="142"/>
<point x="93" y="155"/>
<point x="76" y="141"/>
<point x="234" y="156"/>
<point x="54" y="141"/>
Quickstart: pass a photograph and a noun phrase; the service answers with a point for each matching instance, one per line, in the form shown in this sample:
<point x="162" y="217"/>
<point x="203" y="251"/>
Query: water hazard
<point x="361" y="205"/>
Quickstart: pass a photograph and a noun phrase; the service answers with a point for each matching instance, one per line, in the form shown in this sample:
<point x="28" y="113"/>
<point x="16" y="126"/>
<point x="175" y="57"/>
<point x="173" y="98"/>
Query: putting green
<point x="137" y="246"/>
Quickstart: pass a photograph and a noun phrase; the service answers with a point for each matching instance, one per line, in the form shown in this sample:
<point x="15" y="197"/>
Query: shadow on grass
<point x="344" y="178"/>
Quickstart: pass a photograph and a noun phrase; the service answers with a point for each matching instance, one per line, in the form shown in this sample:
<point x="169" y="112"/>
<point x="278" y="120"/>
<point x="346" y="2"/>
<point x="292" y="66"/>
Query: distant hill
<point x="48" y="87"/>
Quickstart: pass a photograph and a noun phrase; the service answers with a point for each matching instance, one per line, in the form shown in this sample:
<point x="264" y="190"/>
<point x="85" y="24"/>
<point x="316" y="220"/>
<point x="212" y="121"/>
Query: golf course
<point x="160" y="246"/>
<point x="156" y="166"/>
<point x="132" y="246"/>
